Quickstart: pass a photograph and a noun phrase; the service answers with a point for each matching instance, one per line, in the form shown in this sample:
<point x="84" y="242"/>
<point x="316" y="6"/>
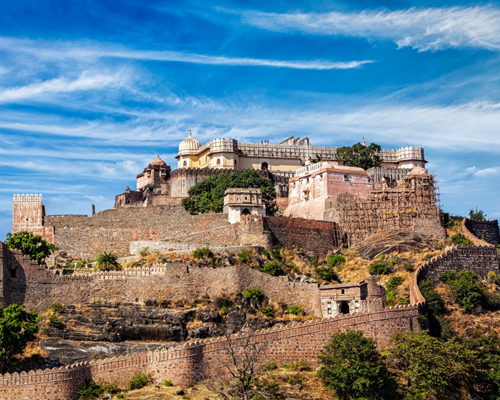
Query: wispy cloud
<point x="488" y="171"/>
<point x="85" y="51"/>
<point x="86" y="81"/>
<point x="420" y="28"/>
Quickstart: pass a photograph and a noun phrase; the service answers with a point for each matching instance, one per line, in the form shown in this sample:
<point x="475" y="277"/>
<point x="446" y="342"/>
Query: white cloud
<point x="86" y="81"/>
<point x="85" y="52"/>
<point x="420" y="28"/>
<point x="488" y="171"/>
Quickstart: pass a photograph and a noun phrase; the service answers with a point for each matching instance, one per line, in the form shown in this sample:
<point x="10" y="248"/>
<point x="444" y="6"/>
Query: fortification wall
<point x="191" y="362"/>
<point x="112" y="230"/>
<point x="314" y="237"/>
<point x="164" y="281"/>
<point x="482" y="231"/>
<point x="478" y="259"/>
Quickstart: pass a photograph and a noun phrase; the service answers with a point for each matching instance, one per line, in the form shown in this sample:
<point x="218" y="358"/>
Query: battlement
<point x="36" y="198"/>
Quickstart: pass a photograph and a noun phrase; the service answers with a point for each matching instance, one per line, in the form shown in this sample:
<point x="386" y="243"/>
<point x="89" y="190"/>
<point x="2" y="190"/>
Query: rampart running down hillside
<point x="481" y="233"/>
<point x="188" y="363"/>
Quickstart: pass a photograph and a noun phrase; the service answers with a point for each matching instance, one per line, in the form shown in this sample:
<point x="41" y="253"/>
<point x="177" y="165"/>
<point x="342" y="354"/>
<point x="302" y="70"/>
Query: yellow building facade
<point x="284" y="157"/>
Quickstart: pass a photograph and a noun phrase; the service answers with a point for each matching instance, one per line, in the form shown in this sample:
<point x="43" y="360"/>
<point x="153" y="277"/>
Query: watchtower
<point x="238" y="202"/>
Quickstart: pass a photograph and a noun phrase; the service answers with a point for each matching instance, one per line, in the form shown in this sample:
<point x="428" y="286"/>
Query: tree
<point x="208" y="195"/>
<point x="33" y="246"/>
<point x="108" y="262"/>
<point x="477" y="214"/>
<point x="430" y="368"/>
<point x="360" y="155"/>
<point x="244" y="360"/>
<point x="17" y="328"/>
<point x="353" y="367"/>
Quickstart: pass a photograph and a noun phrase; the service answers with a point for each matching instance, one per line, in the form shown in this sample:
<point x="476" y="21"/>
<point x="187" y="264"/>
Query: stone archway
<point x="245" y="212"/>
<point x="344" y="307"/>
<point x="264" y="166"/>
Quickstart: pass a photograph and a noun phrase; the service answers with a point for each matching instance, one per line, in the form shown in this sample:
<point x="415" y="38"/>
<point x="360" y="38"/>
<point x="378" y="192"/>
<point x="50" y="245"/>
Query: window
<point x="346" y="178"/>
<point x="235" y="163"/>
<point x="184" y="164"/>
<point x="342" y="291"/>
<point x="218" y="161"/>
<point x="13" y="273"/>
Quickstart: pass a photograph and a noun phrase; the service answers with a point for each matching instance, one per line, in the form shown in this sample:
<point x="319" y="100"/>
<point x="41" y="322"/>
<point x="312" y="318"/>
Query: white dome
<point x="189" y="145"/>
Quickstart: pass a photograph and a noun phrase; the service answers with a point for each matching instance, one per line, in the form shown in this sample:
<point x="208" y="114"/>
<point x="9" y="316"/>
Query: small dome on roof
<point x="189" y="145"/>
<point x="158" y="161"/>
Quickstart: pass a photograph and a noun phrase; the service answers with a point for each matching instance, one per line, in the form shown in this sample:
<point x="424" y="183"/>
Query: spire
<point x="190" y="133"/>
<point x="364" y="144"/>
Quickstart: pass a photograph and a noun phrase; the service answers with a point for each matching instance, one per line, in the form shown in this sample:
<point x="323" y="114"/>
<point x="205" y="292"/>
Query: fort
<point x="186" y="363"/>
<point x="324" y="205"/>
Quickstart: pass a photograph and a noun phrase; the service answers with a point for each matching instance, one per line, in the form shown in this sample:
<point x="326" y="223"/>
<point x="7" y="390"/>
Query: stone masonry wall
<point x="113" y="230"/>
<point x="188" y="363"/>
<point x="164" y="281"/>
<point x="483" y="230"/>
<point x="314" y="237"/>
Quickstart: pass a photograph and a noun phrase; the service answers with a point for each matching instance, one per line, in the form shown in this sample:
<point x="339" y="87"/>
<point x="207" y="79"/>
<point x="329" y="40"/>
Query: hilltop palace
<point x="398" y="195"/>
<point x="159" y="185"/>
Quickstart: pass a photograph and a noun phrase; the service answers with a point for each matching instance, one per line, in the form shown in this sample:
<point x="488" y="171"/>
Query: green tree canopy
<point x="430" y="368"/>
<point x="359" y="155"/>
<point x="108" y="262"/>
<point x="352" y="366"/>
<point x="17" y="328"/>
<point x="208" y="195"/>
<point x="30" y="245"/>
<point x="477" y="214"/>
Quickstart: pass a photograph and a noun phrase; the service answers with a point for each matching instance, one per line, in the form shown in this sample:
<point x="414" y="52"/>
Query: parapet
<point x="36" y="198"/>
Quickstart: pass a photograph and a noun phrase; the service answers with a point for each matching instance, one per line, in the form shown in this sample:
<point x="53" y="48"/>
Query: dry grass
<point x="355" y="268"/>
<point x="312" y="388"/>
<point x="194" y="324"/>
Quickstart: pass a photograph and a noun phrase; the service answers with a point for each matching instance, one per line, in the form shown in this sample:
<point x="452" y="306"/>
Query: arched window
<point x="264" y="166"/>
<point x="184" y="164"/>
<point x="218" y="161"/>
<point x="235" y="163"/>
<point x="245" y="212"/>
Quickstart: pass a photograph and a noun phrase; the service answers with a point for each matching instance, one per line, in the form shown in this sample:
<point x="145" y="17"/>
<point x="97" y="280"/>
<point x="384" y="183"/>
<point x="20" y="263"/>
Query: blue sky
<point x="91" y="91"/>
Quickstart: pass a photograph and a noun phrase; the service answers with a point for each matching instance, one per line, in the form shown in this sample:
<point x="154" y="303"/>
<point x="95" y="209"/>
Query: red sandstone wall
<point x="189" y="362"/>
<point x="314" y="237"/>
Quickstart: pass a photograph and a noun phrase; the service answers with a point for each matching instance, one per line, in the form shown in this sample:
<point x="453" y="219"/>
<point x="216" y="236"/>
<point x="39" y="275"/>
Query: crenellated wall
<point x="481" y="233"/>
<point x="191" y="362"/>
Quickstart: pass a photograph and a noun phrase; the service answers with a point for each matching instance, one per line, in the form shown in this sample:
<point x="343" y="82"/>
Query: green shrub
<point x="434" y="301"/>
<point x="270" y="366"/>
<point x="393" y="283"/>
<point x="465" y="290"/>
<point x="291" y="380"/>
<point x="167" y="383"/>
<point x="276" y="253"/>
<point x="393" y="261"/>
<point x="108" y="262"/>
<point x="203" y="252"/>
<point x="493" y="278"/>
<point x="244" y="256"/>
<point x="273" y="267"/>
<point x="57" y="307"/>
<point x="461" y="240"/>
<point x="295" y="310"/>
<point x="256" y="294"/>
<point x="313" y="261"/>
<point x="379" y="268"/>
<point x="89" y="391"/>
<point x="223" y="301"/>
<point x="55" y="322"/>
<point x="267" y="311"/>
<point x="334" y="259"/>
<point x="139" y="381"/>
<point x="327" y="273"/>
